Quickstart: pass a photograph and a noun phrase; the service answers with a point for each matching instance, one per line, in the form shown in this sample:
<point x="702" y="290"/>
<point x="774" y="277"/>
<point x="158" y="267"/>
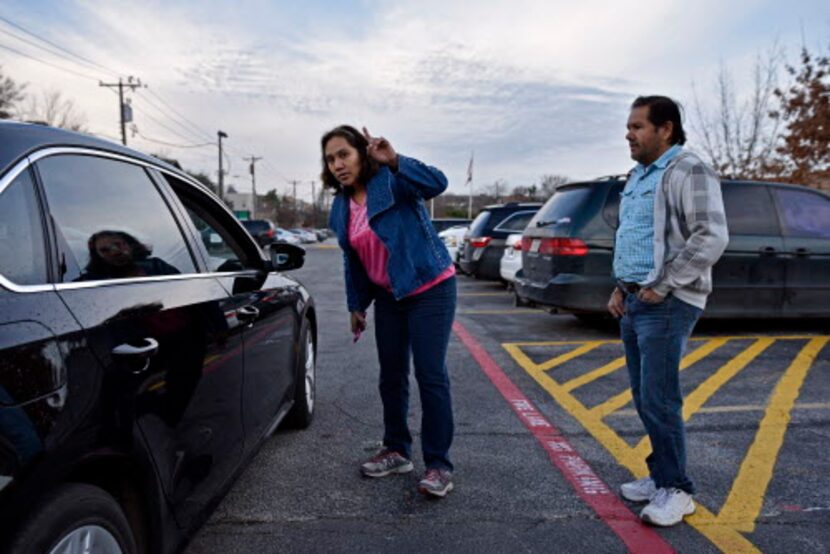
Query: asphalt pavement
<point x="544" y="436"/>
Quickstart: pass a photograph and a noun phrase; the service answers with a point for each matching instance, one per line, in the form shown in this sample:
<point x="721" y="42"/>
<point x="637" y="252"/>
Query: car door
<point x="748" y="280"/>
<point x="265" y="304"/>
<point x="805" y="217"/>
<point x="165" y="334"/>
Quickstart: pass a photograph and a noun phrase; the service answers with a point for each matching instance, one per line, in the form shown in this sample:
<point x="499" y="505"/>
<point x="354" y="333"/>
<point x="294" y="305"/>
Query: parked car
<point x="444" y="223"/>
<point x="306" y="236"/>
<point x="263" y="230"/>
<point x="511" y="260"/>
<point x="148" y="346"/>
<point x="777" y="262"/>
<point x="484" y="243"/>
<point x="453" y="237"/>
<point x="283" y="235"/>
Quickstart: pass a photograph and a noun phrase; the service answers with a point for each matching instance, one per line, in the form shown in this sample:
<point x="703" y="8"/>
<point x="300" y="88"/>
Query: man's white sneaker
<point x="668" y="507"/>
<point x="640" y="490"/>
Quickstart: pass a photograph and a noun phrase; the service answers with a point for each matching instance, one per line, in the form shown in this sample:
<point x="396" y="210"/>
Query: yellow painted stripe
<point x="746" y="498"/>
<point x="735" y="409"/>
<point x="616" y="402"/>
<point x="695" y="400"/>
<point x="726" y="539"/>
<point x="525" y="311"/>
<point x="610" y="367"/>
<point x="568" y="356"/>
<point x="692" y="339"/>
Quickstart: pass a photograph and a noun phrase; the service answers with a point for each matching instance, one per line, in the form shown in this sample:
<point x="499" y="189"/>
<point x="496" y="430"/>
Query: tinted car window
<point x="565" y="202"/>
<point x="611" y="210"/>
<point x="749" y="210"/>
<point x="112" y="221"/>
<point x="255" y="225"/>
<point x="516" y="222"/>
<point x="479" y="224"/>
<point x="804" y="213"/>
<point x="22" y="257"/>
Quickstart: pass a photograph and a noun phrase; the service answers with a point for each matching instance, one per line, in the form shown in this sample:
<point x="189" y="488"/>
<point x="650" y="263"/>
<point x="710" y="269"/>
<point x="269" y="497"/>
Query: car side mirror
<point x="286" y="256"/>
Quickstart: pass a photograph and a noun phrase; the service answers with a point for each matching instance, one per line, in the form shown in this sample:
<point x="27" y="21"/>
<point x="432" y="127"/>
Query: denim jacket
<point x="397" y="215"/>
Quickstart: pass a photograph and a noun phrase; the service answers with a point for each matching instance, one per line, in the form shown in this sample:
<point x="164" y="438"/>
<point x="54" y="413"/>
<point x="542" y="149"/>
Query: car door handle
<point x="768" y="251"/>
<point x="145" y="351"/>
<point x="802" y="252"/>
<point x="247" y="313"/>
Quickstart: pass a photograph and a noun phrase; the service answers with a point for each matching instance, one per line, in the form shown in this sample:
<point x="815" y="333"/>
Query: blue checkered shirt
<point x="634" y="247"/>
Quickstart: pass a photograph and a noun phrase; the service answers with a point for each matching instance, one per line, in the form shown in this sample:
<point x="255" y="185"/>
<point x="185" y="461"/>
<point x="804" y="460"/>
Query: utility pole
<point x="294" y="183"/>
<point x="125" y="111"/>
<point x="221" y="135"/>
<point x="313" y="205"/>
<point x="253" y="160"/>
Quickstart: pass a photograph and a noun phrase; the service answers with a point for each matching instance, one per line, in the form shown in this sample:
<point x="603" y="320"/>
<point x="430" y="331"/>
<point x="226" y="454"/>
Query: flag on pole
<point x="470" y="170"/>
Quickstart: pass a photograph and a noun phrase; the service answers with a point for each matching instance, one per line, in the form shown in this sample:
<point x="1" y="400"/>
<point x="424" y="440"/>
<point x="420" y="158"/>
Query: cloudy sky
<point x="532" y="87"/>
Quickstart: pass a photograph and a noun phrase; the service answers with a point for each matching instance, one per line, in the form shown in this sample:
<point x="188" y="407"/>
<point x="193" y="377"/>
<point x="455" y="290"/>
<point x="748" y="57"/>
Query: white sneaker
<point x="640" y="490"/>
<point x="668" y="507"/>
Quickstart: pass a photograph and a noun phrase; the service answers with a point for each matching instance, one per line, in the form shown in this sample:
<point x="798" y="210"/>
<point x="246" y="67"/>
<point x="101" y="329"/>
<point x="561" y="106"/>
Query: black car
<point x="263" y="230"/>
<point x="777" y="263"/>
<point x="480" y="255"/>
<point x="147" y="346"/>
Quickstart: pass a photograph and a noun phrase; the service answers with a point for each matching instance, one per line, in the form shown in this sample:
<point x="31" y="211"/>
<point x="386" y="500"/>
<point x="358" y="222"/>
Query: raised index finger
<point x="366" y="134"/>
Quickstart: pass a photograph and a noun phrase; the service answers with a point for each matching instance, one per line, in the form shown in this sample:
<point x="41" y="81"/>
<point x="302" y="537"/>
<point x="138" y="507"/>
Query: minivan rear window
<point x="479" y="224"/>
<point x="565" y="202"/>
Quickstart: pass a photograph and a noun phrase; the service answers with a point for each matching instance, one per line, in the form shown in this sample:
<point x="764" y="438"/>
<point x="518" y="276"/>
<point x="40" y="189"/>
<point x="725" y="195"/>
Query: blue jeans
<point x="654" y="336"/>
<point x="418" y="326"/>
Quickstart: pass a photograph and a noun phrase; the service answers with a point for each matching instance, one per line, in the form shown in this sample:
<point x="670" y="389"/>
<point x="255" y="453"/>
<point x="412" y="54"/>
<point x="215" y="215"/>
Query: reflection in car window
<point x="805" y="213"/>
<point x="516" y="222"/>
<point x="222" y="256"/>
<point x="565" y="202"/>
<point x="749" y="210"/>
<point x="22" y="256"/>
<point x="111" y="219"/>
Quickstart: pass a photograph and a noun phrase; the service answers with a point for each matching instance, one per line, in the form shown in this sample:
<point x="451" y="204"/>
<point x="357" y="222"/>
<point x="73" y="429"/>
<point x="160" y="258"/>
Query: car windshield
<point x="565" y="202"/>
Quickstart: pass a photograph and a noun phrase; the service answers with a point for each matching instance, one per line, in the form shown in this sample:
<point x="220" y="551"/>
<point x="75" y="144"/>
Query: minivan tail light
<point x="479" y="242"/>
<point x="518" y="245"/>
<point x="270" y="233"/>
<point x="559" y="246"/>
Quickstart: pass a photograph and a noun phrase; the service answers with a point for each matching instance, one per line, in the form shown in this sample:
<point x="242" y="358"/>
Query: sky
<point x="527" y="88"/>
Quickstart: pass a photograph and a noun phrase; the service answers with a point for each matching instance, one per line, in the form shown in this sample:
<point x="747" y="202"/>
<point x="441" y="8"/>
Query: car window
<point x="111" y="220"/>
<point x="749" y="210"/>
<point x="804" y="213"/>
<point x="223" y="250"/>
<point x="565" y="202"/>
<point x="22" y="255"/>
<point x="611" y="210"/>
<point x="516" y="222"/>
<point x="479" y="224"/>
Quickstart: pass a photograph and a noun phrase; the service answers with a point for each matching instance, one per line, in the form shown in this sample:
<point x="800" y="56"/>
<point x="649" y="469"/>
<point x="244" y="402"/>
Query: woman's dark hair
<point x="662" y="109"/>
<point x="356" y="139"/>
<point x="98" y="266"/>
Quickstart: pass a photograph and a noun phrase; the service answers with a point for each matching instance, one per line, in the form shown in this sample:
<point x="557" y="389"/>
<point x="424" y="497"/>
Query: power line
<point x="166" y="115"/>
<point x="165" y="143"/>
<point x="186" y="120"/>
<point x="56" y="66"/>
<point x="59" y="47"/>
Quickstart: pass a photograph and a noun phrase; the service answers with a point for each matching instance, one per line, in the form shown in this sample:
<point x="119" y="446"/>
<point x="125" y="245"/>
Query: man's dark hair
<point x="662" y="109"/>
<point x="356" y="139"/>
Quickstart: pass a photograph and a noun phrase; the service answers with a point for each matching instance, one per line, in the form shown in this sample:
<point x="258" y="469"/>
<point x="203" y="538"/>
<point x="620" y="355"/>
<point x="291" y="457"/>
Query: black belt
<point x="629" y="288"/>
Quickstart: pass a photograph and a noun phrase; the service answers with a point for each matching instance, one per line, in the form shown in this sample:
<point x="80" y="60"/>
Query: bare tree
<point x="55" y="110"/>
<point x="11" y="94"/>
<point x="738" y="136"/>
<point x="550" y="182"/>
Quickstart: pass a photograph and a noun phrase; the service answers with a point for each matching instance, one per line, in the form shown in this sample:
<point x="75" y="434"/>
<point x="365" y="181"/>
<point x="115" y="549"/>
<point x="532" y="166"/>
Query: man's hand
<point x="649" y="296"/>
<point x="616" y="304"/>
<point x="358" y="322"/>
<point x="381" y="151"/>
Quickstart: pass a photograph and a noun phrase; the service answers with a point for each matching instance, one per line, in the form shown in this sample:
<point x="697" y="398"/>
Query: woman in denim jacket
<point x="393" y="256"/>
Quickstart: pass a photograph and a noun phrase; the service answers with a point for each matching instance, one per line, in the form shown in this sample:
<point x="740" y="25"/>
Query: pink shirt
<point x="373" y="254"/>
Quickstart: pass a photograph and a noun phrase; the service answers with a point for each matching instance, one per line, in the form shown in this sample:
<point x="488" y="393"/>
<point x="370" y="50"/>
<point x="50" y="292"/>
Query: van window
<point x="565" y="202"/>
<point x="749" y="210"/>
<point x="515" y="222"/>
<point x="611" y="210"/>
<point x="479" y="224"/>
<point x="804" y="213"/>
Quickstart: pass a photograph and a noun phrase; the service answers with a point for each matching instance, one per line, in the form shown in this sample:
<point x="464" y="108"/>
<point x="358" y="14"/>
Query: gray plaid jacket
<point x="690" y="232"/>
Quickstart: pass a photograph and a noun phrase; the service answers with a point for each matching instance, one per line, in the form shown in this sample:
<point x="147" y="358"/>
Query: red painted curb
<point x="590" y="488"/>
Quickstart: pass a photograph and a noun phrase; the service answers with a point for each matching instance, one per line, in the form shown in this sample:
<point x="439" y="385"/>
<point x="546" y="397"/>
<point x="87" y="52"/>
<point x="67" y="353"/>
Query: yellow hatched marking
<point x="568" y="356"/>
<point x="737" y="409"/>
<point x="610" y="367"/>
<point x="696" y="399"/>
<point x="616" y="402"/>
<point x="524" y="311"/>
<point x="745" y="500"/>
<point x="725" y="538"/>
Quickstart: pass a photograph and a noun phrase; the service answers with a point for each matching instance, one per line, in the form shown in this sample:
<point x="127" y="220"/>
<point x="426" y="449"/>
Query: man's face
<point x="646" y="142"/>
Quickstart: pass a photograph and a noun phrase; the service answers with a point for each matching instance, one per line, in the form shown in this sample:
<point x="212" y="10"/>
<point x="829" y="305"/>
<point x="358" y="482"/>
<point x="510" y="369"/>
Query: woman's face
<point x="343" y="160"/>
<point x="114" y="250"/>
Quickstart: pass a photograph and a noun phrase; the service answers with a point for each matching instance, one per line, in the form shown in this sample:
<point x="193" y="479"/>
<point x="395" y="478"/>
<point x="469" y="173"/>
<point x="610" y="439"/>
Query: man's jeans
<point x="654" y="336"/>
<point x="419" y="326"/>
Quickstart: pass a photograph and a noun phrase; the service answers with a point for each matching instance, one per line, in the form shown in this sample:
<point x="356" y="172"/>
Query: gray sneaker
<point x="640" y="490"/>
<point x="436" y="482"/>
<point x="385" y="463"/>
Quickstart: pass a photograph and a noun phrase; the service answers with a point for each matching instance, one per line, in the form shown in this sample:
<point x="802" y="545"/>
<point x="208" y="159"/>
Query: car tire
<point x="305" y="391"/>
<point x="75" y="512"/>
